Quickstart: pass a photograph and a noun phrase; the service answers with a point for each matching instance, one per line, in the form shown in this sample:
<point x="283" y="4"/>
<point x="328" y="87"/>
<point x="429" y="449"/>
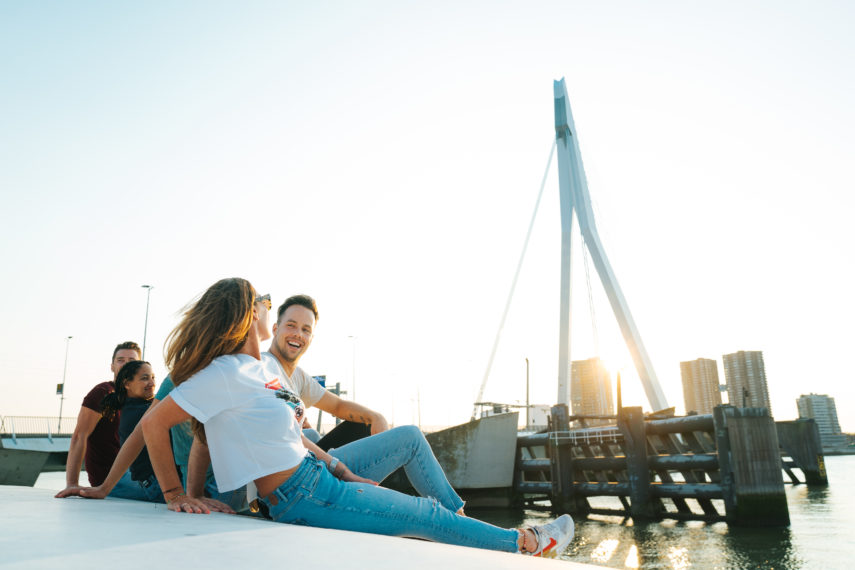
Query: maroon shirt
<point x="103" y="443"/>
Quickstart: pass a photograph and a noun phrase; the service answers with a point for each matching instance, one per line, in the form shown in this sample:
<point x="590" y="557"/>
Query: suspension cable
<point x="514" y="283"/>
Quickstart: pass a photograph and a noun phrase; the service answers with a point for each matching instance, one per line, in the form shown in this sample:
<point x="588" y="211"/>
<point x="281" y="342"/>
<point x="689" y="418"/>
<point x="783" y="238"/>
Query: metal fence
<point x="29" y="426"/>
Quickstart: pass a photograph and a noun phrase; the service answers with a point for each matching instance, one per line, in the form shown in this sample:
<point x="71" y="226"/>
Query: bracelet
<point x="178" y="496"/>
<point x="178" y="488"/>
<point x="332" y="465"/>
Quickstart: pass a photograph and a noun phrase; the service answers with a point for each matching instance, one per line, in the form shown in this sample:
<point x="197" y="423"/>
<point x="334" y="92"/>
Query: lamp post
<point x="62" y="393"/>
<point x="145" y="330"/>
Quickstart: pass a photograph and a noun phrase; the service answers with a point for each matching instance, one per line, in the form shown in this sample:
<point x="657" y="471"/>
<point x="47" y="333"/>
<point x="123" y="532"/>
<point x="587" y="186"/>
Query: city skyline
<point x="387" y="162"/>
<point x="591" y="390"/>
<point x="700" y="385"/>
<point x="822" y="409"/>
<point x="745" y="376"/>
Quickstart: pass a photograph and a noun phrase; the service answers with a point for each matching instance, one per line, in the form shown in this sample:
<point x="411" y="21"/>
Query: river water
<point x="821" y="533"/>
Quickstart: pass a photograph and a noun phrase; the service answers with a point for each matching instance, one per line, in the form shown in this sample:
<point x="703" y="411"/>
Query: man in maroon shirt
<point x="96" y="438"/>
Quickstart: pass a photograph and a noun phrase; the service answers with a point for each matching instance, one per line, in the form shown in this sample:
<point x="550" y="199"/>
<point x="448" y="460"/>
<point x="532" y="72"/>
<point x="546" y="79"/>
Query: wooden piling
<point x="750" y="463"/>
<point x="631" y="424"/>
<point x="800" y="440"/>
<point x="562" y="495"/>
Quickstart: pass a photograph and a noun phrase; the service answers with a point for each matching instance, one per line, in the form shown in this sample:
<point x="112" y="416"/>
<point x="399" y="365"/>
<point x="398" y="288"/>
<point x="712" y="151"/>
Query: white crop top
<point x="252" y="423"/>
<point x="301" y="383"/>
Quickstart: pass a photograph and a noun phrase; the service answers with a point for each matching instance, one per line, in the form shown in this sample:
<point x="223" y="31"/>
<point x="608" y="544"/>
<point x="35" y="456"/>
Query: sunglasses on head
<point x="264" y="299"/>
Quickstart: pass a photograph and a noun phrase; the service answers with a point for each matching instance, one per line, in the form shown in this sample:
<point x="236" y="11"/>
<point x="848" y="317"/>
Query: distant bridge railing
<point x="36" y="426"/>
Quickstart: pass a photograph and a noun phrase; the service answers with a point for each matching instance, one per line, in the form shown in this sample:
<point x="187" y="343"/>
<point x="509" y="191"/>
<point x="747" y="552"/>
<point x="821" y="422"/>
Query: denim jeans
<point x="312" y="434"/>
<point x="380" y="455"/>
<point x="236" y="499"/>
<point x="148" y="490"/>
<point x="313" y="496"/>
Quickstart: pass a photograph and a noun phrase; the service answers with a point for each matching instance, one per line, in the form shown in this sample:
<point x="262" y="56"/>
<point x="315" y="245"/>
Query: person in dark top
<point x="132" y="395"/>
<point x="96" y="438"/>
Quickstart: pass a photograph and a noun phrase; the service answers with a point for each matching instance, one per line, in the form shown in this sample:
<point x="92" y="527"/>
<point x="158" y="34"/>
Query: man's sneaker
<point x="552" y="538"/>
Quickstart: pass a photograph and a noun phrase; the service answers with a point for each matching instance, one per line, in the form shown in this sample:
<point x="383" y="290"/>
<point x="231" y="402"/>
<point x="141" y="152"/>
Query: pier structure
<point x="30" y="445"/>
<point x="801" y="446"/>
<point x="725" y="466"/>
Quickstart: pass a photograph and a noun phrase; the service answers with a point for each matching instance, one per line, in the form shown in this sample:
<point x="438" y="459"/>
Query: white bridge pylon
<point x="573" y="190"/>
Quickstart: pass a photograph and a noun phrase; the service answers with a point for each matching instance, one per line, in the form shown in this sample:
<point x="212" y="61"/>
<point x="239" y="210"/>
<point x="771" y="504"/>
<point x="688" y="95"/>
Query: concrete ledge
<point x="39" y="531"/>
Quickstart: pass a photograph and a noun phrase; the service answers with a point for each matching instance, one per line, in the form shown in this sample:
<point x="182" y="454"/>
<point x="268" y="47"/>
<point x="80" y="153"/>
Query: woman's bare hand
<point x="217" y="506"/>
<point x="184" y="504"/>
<point x="345" y="474"/>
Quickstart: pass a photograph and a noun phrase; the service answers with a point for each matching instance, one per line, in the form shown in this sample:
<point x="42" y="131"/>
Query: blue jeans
<point x="380" y="455"/>
<point x="148" y="490"/>
<point x="312" y="434"/>
<point x="236" y="499"/>
<point x="313" y="496"/>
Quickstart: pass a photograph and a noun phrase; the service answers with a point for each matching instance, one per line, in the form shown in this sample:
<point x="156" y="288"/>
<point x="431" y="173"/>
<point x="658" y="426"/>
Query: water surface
<point x="821" y="534"/>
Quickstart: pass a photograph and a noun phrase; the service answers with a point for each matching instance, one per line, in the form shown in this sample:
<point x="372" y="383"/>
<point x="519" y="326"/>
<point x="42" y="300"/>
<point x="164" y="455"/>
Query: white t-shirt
<point x="304" y="385"/>
<point x="252" y="421"/>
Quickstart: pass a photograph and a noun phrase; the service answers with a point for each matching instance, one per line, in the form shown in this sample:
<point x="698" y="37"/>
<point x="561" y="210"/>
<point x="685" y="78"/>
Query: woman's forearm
<point x="155" y="428"/>
<point x="319" y="453"/>
<point x="162" y="461"/>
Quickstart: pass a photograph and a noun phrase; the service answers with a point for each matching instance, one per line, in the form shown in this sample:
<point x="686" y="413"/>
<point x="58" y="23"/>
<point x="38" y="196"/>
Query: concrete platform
<point x="38" y="531"/>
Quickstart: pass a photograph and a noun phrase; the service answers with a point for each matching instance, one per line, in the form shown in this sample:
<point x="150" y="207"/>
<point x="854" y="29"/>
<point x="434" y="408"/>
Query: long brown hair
<point x="217" y="324"/>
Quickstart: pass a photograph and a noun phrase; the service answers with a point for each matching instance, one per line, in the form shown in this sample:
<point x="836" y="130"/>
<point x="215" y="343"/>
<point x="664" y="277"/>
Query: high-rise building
<point x="700" y="385"/>
<point x="745" y="375"/>
<point x="590" y="389"/>
<point x="823" y="410"/>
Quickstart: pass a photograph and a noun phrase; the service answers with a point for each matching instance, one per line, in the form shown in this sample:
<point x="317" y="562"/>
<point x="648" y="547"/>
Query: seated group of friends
<point x="227" y="431"/>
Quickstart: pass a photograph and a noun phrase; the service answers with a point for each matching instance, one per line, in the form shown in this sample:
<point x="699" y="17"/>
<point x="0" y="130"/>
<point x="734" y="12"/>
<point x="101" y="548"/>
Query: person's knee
<point x="412" y="434"/>
<point x="312" y="435"/>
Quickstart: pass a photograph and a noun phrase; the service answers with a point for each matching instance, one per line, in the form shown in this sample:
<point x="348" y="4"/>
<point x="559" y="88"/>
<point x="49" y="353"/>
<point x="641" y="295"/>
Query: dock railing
<point x="14" y="427"/>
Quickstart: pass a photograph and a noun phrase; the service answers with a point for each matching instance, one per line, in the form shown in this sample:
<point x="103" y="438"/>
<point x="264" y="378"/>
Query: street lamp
<point x="145" y="330"/>
<point x="62" y="392"/>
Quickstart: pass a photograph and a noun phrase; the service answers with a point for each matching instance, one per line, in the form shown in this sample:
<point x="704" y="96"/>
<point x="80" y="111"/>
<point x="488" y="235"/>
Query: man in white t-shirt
<point x="292" y="335"/>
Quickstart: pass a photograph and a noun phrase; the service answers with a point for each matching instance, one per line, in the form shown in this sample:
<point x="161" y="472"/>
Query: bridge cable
<point x="514" y="283"/>
<point x="600" y="372"/>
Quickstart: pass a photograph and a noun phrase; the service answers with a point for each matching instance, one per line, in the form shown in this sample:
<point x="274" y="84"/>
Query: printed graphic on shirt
<point x="292" y="400"/>
<point x="273" y="384"/>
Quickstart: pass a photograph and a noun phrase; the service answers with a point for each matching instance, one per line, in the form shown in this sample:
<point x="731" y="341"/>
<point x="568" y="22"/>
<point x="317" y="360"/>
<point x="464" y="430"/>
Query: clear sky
<point x="385" y="157"/>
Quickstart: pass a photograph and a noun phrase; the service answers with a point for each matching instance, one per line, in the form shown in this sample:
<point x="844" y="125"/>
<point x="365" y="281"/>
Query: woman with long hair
<point x="133" y="394"/>
<point x="253" y="434"/>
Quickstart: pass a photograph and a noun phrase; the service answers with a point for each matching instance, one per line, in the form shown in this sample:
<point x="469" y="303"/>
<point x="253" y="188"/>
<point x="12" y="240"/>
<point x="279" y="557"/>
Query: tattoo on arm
<point x="358" y="418"/>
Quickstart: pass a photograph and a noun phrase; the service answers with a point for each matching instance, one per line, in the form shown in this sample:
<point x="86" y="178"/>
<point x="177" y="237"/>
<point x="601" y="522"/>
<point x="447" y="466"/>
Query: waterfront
<point x="820" y="534"/>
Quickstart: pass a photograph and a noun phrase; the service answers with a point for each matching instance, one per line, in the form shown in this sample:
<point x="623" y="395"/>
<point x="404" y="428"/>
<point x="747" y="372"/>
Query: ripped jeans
<point x="378" y="456"/>
<point x="312" y="496"/>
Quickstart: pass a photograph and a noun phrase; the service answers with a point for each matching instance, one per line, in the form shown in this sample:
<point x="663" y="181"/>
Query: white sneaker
<point x="553" y="537"/>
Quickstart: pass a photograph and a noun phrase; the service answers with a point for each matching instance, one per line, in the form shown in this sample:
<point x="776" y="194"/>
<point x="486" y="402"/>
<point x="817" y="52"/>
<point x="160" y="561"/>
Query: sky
<point x="386" y="158"/>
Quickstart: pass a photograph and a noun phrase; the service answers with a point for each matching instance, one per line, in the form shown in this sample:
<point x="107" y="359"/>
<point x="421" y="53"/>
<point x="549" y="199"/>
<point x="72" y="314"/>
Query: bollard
<point x="750" y="462"/>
